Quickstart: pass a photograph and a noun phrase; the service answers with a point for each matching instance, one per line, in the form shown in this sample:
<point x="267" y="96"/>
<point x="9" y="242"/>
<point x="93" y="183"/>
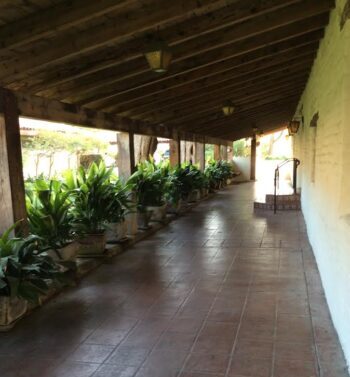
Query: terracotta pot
<point x="194" y="196"/>
<point x="158" y="212"/>
<point x="116" y="231"/>
<point x="92" y="244"/>
<point x="66" y="253"/>
<point x="11" y="310"/>
<point x="143" y="219"/>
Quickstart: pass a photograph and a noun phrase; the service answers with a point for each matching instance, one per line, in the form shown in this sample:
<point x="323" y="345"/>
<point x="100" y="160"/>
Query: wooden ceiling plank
<point x="215" y="106"/>
<point x="218" y="100"/>
<point x="215" y="116"/>
<point x="171" y="87"/>
<point x="150" y="15"/>
<point x="210" y="88"/>
<point x="199" y="45"/>
<point x="60" y="17"/>
<point x="108" y="60"/>
<point x="104" y="97"/>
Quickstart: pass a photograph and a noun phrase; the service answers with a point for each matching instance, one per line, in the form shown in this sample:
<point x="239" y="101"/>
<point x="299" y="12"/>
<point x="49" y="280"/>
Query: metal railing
<point x="296" y="163"/>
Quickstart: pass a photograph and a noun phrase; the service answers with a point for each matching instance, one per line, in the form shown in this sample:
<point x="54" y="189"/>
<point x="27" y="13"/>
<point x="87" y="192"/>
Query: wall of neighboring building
<point x="323" y="146"/>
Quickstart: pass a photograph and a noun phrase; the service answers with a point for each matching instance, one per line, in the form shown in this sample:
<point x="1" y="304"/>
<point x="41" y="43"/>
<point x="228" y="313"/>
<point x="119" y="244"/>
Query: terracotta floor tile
<point x="210" y="363"/>
<point x="170" y="305"/>
<point x="250" y="366"/>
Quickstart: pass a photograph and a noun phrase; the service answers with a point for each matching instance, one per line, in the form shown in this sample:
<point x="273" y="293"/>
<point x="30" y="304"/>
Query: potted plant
<point x="174" y="192"/>
<point x="149" y="182"/>
<point x="91" y="206"/>
<point x="120" y="205"/>
<point x="25" y="275"/>
<point x="49" y="217"/>
<point x="196" y="177"/>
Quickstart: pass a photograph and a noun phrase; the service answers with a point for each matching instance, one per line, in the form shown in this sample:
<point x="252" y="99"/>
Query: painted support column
<point x="223" y="152"/>
<point x="230" y="153"/>
<point x="126" y="154"/>
<point x="217" y="152"/>
<point x="12" y="194"/>
<point x="253" y="159"/>
<point x="199" y="155"/>
<point x="175" y="153"/>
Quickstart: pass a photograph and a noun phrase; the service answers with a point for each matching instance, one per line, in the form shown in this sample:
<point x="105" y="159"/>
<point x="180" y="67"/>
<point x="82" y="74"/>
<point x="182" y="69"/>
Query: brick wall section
<point x="324" y="175"/>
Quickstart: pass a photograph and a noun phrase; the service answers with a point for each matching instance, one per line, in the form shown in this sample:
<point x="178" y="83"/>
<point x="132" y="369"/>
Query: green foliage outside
<point x="241" y="148"/>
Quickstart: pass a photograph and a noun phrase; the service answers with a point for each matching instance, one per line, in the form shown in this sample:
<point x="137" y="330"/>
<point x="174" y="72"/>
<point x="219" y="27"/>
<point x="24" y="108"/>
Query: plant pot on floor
<point x="194" y="196"/>
<point x="131" y="223"/>
<point x="143" y="219"/>
<point x="11" y="310"/>
<point x="204" y="192"/>
<point x="173" y="208"/>
<point x="66" y="253"/>
<point x="116" y="231"/>
<point x="158" y="212"/>
<point x="92" y="245"/>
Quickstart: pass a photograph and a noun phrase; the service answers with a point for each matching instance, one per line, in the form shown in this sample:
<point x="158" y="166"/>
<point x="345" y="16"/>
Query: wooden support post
<point x="217" y="154"/>
<point x="126" y="154"/>
<point x="199" y="150"/>
<point x="174" y="149"/>
<point x="12" y="194"/>
<point x="253" y="159"/>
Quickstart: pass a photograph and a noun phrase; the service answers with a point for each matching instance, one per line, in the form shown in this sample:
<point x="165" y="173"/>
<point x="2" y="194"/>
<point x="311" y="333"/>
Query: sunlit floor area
<point x="219" y="292"/>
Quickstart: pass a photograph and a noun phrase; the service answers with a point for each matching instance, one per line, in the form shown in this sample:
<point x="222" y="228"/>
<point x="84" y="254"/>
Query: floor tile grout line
<point x="273" y="360"/>
<point x="317" y="363"/>
<point x="207" y="316"/>
<point x="239" y="327"/>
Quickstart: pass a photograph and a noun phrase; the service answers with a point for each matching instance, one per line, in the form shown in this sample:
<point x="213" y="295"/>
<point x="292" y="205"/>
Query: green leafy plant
<point x="121" y="203"/>
<point x="91" y="199"/>
<point x="48" y="208"/>
<point x="24" y="272"/>
<point x="149" y="183"/>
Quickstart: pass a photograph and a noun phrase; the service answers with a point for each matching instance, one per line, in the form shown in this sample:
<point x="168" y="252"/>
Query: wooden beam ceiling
<point x="87" y="55"/>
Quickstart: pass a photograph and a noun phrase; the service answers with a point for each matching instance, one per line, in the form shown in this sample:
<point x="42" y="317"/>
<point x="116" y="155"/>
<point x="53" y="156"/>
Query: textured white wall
<point x="325" y="175"/>
<point x="242" y="164"/>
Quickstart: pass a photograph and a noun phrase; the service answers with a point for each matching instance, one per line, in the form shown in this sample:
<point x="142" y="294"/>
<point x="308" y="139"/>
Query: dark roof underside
<point x="256" y="53"/>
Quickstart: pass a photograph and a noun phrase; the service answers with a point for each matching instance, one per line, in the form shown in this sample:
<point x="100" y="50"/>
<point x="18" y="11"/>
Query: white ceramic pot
<point x="11" y="310"/>
<point x="158" y="212"/>
<point x="175" y="208"/>
<point x="92" y="244"/>
<point x="116" y="231"/>
<point x="66" y="253"/>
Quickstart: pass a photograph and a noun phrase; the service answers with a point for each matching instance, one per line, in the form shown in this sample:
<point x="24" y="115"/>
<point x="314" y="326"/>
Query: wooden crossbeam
<point x="52" y="110"/>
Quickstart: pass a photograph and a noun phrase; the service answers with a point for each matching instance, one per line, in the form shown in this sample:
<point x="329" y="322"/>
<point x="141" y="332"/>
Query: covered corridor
<point x="219" y="292"/>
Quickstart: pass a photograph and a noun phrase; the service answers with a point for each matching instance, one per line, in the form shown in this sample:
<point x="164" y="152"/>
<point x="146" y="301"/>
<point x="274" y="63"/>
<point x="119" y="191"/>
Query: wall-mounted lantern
<point x="293" y="127"/>
<point x="158" y="55"/>
<point x="228" y="108"/>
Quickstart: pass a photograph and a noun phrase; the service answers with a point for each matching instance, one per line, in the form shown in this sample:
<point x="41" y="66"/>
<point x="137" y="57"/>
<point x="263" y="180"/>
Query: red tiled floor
<point x="220" y="292"/>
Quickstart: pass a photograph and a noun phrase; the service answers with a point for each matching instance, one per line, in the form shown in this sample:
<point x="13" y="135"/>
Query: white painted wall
<point x="325" y="176"/>
<point x="242" y="164"/>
